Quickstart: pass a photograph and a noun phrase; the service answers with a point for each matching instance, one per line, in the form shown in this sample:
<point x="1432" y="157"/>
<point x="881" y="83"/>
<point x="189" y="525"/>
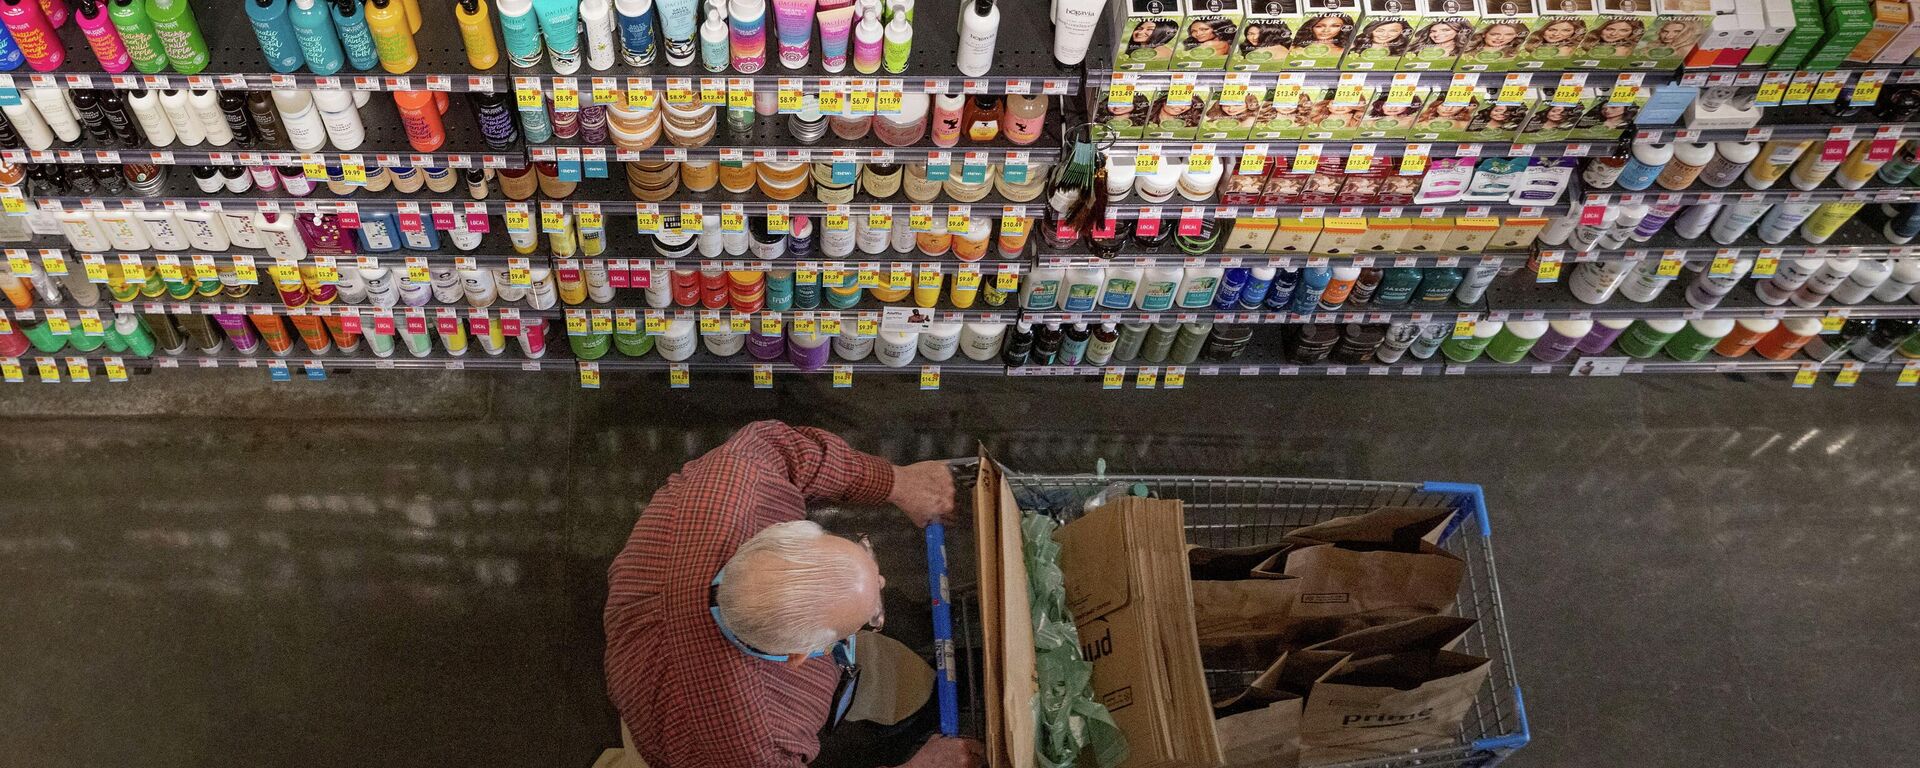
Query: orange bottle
<point x="273" y="331"/>
<point x="420" y="115"/>
<point x="17" y="290"/>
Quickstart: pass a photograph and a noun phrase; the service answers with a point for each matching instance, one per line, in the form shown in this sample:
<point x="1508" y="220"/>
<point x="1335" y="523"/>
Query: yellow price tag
<point x="90" y="325"/>
<point x="1765" y="266"/>
<point x="1798" y="92"/>
<point x="1398" y="94"/>
<point x="733" y="221"/>
<point x="1463" y="329"/>
<point x="243" y="270"/>
<point x="889" y="103"/>
<point x="527" y="98"/>
<point x="842" y="376"/>
<point x="57" y="323"/>
<point x="868" y="278"/>
<point x="866" y="327"/>
<point x="170" y="271"/>
<point x="626" y="323"/>
<point x="1013" y="226"/>
<point x="920" y="222"/>
<point x="553" y="221"/>
<point x="930" y="377"/>
<point x="1200" y="162"/>
<point x="739" y="324"/>
<point x="689" y="222"/>
<point x="1113" y="378"/>
<point x="763" y="376"/>
<point x="589" y="376"/>
<point x="805" y="325"/>
<point x="640" y="99"/>
<point x="204" y="271"/>
<point x="967" y="279"/>
<point x="1120" y="95"/>
<point x="1669" y="267"/>
<point x="1909" y="376"/>
<point x="1413" y="164"/>
<point x="605" y="96"/>
<point x="1176" y="378"/>
<point x="927" y="278"/>
<point x="879" y="221"/>
<point x="832" y="102"/>
<point x="566" y="98"/>
<point x="644" y="221"/>
<point x="791" y="100"/>
<point x="740" y="97"/>
<point x="1007" y="282"/>
<point x="656" y="325"/>
<point x="1359" y="162"/>
<point x="518" y="221"/>
<point x="132" y="271"/>
<point x="1549" y="272"/>
<point x="680" y="376"/>
<point x="679" y="96"/>
<point x="899" y="278"/>
<point x="1306" y="162"/>
<point x="589" y="220"/>
<point x="1805" y="377"/>
<point x="20" y="264"/>
<point x="1286" y="93"/>
<point x="713" y="92"/>
<point x="116" y="370"/>
<point x="1627" y="94"/>
<point x="1459" y="95"/>
<point x="837" y="222"/>
<point x="1512" y="93"/>
<point x="861" y="102"/>
<point x="1866" y="92"/>
<point x="804" y="275"/>
<point x="1180" y="93"/>
<point x="49" y="370"/>
<point x="1770" y="93"/>
<point x="354" y="174"/>
<point x="97" y="271"/>
<point x="576" y="323"/>
<point x="830" y="326"/>
<point x="1847" y="377"/>
<point x="519" y="276"/>
<point x="1832" y="324"/>
<point x="779" y="222"/>
<point x="315" y="171"/>
<point x="1233" y="93"/>
<point x="1251" y="164"/>
<point x="959" y="222"/>
<point x="832" y="276"/>
<point x="769" y="325"/>
<point x="601" y="322"/>
<point x="10" y="369"/>
<point x="1147" y="378"/>
<point x="13" y="204"/>
<point x="1566" y="94"/>
<point x="1146" y="162"/>
<point x="1721" y="266"/>
<point x="709" y="324"/>
<point x="79" y="370"/>
<point x="1827" y="90"/>
<point x="1348" y="94"/>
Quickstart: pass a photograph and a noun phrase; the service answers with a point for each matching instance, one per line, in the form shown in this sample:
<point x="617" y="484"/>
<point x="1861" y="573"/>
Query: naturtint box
<point x="1445" y="28"/>
<point x="1557" y="37"/>
<point x="1151" y="27"/>
<point x="1386" y="33"/>
<point x="1208" y="34"/>
<point x="1617" y="32"/>
<point x="1503" y="27"/>
<point x="1678" y="25"/>
<point x="1324" y="34"/>
<point x="1266" y="36"/>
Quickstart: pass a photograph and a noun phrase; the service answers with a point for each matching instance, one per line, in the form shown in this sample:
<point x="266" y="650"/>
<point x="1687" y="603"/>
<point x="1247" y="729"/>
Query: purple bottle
<point x="767" y="348"/>
<point x="1602" y="336"/>
<point x="808" y="351"/>
<point x="239" y="333"/>
<point x="1561" y="338"/>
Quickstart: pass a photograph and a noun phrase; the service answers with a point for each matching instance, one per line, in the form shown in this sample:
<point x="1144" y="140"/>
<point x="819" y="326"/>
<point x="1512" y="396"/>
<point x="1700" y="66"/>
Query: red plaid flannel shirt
<point x="691" y="699"/>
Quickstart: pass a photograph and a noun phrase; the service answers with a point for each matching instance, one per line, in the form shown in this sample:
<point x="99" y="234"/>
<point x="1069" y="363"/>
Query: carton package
<point x="1753" y="26"/>
<point x="1324" y="34"/>
<point x="1323" y="187"/>
<point x="1130" y="594"/>
<point x="1323" y="119"/>
<point x="1445" y="27"/>
<point x="1388" y="120"/>
<point x="1517" y="232"/>
<point x="1399" y="188"/>
<point x="1440" y="121"/>
<point x="1211" y="30"/>
<point x="1445" y="181"/>
<point x="1401" y="687"/>
<point x="1244" y="188"/>
<point x="1251" y="234"/>
<point x="1619" y="29"/>
<point x="1809" y="28"/>
<point x="1128" y="120"/>
<point x="1428" y="235"/>
<point x="1495" y="120"/>
<point x="1295" y="236"/>
<point x="1386" y="235"/>
<point x="1151" y="26"/>
<point x="1006" y="622"/>
<point x="1890" y="19"/>
<point x="1495" y="179"/>
<point x="1666" y="106"/>
<point x="1905" y="44"/>
<point x="1471" y="234"/>
<point x="1553" y="122"/>
<point x="1281" y="115"/>
<point x="1266" y="36"/>
<point x="1557" y="36"/>
<point x="1776" y="25"/>
<point x="1364" y="187"/>
<point x="1284" y="186"/>
<point x="1503" y="27"/>
<point x="1677" y="27"/>
<point x="1386" y="32"/>
<point x="1722" y="31"/>
<point x="1234" y="120"/>
<point x="1176" y="120"/>
<point x="1341" y="236"/>
<point x="1847" y="23"/>
<point x="1603" y="120"/>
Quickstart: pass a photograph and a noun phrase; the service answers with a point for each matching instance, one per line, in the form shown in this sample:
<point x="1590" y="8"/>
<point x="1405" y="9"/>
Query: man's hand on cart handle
<point x="948" y="752"/>
<point x="924" y="490"/>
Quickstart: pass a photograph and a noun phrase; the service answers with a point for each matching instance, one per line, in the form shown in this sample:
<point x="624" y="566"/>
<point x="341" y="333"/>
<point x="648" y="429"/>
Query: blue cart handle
<point x="943" y="674"/>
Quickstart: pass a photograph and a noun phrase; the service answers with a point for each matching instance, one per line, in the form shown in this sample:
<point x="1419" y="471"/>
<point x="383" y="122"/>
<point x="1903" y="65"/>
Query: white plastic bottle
<point x="1594" y="282"/>
<point x="52" y="105"/>
<point x="153" y="120"/>
<point x="1694" y="222"/>
<point x="1787" y="278"/>
<point x="1783" y="220"/>
<point x="1828" y="277"/>
<point x="982" y="340"/>
<point x="1644" y="166"/>
<point x="32" y="128"/>
<point x="478" y="287"/>
<point x="186" y="127"/>
<point x="381" y="292"/>
<point x="301" y="119"/>
<point x="278" y="236"/>
<point x="1198" y="286"/>
<point x="1812" y="169"/>
<point x="896" y="348"/>
<point x="1121" y="288"/>
<point x="206" y="111"/>
<point x="1708" y="289"/>
<point x="596" y="17"/>
<point x="351" y="287"/>
<point x="1159" y="286"/>
<point x="870" y="240"/>
<point x="1687" y="163"/>
<point x="979" y="33"/>
<point x="446" y="283"/>
<point x="163" y="230"/>
<point x="939" y="342"/>
<point x="1586" y="237"/>
<point x="1867" y="277"/>
<point x="83" y="233"/>
<point x="340" y="118"/>
<point x="123" y="232"/>
<point x="1081" y="291"/>
<point x="1903" y="280"/>
<point x="1041" y="290"/>
<point x="243" y="229"/>
<point x="1734" y="221"/>
<point x="1644" y="282"/>
<point x="1731" y="159"/>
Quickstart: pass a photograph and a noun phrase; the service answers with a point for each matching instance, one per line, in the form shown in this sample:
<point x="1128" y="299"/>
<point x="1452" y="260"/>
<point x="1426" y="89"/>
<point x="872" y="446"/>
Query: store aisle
<point x="404" y="569"/>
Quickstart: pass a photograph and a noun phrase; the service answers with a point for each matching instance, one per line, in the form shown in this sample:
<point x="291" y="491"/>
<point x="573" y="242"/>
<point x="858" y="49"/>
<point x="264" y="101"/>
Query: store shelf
<point x="1182" y="150"/>
<point x="1421" y="313"/>
<point x="1787" y="123"/>
<point x="385" y="145"/>
<point x="1521" y="297"/>
<point x="1858" y="238"/>
<point x="1781" y="193"/>
<point x="557" y="358"/>
<point x="236" y="62"/>
<point x="1102" y="73"/>
<point x="1023" y="59"/>
<point x="1170" y="255"/>
<point x="628" y="302"/>
<point x="770" y="141"/>
<point x="1180" y="208"/>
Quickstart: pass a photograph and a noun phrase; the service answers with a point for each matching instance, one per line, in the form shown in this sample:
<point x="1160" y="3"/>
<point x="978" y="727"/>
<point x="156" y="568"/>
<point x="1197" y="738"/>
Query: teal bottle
<point x="355" y="37"/>
<point x="313" y="27"/>
<point x="275" y="32"/>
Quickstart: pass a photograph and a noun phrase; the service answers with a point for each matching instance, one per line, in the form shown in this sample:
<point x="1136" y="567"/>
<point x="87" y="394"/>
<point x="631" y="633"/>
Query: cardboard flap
<point x="1094" y="593"/>
<point x="1397" y="529"/>
<point x="1006" y="621"/>
<point x="1209" y="564"/>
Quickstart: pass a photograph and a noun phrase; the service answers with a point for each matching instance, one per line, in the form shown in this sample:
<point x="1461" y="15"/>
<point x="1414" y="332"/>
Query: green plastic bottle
<point x="129" y="18"/>
<point x="180" y="34"/>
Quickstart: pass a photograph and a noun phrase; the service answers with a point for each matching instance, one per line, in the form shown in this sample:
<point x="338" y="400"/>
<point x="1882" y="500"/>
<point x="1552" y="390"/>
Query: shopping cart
<point x="1243" y="511"/>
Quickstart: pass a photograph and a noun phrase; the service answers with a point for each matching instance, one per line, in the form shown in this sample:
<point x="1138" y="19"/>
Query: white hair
<point x="783" y="607"/>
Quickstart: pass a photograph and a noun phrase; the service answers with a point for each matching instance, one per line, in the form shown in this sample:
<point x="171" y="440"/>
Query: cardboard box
<point x="1557" y="37"/>
<point x="1445" y="28"/>
<point x="1295" y="236"/>
<point x="1890" y="19"/>
<point x="1471" y="234"/>
<point x="1427" y="235"/>
<point x="1324" y="34"/>
<point x="1127" y="586"/>
<point x="1553" y="122"/>
<point x="1172" y="120"/>
<point x="1517" y="232"/>
<point x="1677" y="27"/>
<point x="1266" y="36"/>
<point x="1496" y="121"/>
<point x="1128" y="121"/>
<point x="1224" y="121"/>
<point x="1620" y="28"/>
<point x="1251" y="234"/>
<point x="1904" y="44"/>
<point x="1386" y="32"/>
<point x="1847" y="22"/>
<point x="1605" y="121"/>
<point x="1809" y="28"/>
<point x="1439" y="121"/>
<point x="1152" y="26"/>
<point x="1392" y="121"/>
<point x="1502" y="29"/>
<point x="1388" y="235"/>
<point x="1329" y="120"/>
<point x="1243" y="188"/>
<point x="1777" y="23"/>
<point x="1208" y="35"/>
<point x="1721" y="32"/>
<point x="1753" y="24"/>
<point x="1341" y="237"/>
<point x="1281" y="116"/>
<point x="1006" y="621"/>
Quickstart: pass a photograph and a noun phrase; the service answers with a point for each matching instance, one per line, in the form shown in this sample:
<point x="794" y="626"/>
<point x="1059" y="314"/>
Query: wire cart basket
<point x="1244" y="511"/>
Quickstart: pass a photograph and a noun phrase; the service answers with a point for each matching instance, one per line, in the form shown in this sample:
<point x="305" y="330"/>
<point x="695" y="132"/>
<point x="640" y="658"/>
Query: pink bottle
<point x="28" y="24"/>
<point x="56" y="11"/>
<point x="102" y="37"/>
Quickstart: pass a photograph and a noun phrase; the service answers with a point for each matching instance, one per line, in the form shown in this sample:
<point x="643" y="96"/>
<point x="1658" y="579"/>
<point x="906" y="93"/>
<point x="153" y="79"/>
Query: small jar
<point x="634" y="129"/>
<point x="690" y="125"/>
<point x="881" y="180"/>
<point x="1159" y="187"/>
<point x="653" y="180"/>
<point x="1199" y="187"/>
<point x="825" y="190"/>
<point x="806" y="126"/>
<point x="1028" y="190"/>
<point x="551" y="186"/>
<point x="699" y="175"/>
<point x="906" y="128"/>
<point x="850" y="127"/>
<point x="782" y="181"/>
<point x="966" y="192"/>
<point x="1311" y="343"/>
<point x="736" y="176"/>
<point x="740" y="122"/>
<point x="515" y="183"/>
<point x="917" y="187"/>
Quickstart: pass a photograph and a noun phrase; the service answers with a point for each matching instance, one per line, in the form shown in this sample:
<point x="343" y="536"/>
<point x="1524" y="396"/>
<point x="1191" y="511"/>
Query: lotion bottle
<point x="350" y="19"/>
<point x="979" y="32"/>
<point x="313" y="28"/>
<point x="392" y="37"/>
<point x="153" y="120"/>
<point x="205" y="107"/>
<point x="476" y="33"/>
<point x="107" y="46"/>
<point x="185" y="126"/>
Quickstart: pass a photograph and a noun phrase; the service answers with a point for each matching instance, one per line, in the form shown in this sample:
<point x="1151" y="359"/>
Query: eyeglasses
<point x="840" y="649"/>
<point x="879" y="619"/>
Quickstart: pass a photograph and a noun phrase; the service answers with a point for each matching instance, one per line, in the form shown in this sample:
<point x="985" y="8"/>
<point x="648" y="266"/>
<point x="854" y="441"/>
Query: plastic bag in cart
<point x="1069" y="718"/>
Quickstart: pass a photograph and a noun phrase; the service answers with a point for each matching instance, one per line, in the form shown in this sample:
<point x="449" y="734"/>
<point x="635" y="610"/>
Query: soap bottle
<point x="982" y="121"/>
<point x="476" y="33"/>
<point x="129" y="18"/>
<point x="392" y="38"/>
<point x="179" y="35"/>
<point x="355" y="36"/>
<point x="271" y="26"/>
<point x="313" y="28"/>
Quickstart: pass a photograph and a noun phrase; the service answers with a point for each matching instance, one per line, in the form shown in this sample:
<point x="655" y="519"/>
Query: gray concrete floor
<point x="406" y="569"/>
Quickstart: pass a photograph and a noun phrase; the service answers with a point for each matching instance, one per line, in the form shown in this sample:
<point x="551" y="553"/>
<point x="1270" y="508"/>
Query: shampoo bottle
<point x="129" y="18"/>
<point x="476" y="33"/>
<point x="521" y="31"/>
<point x="105" y="40"/>
<point x="897" y="43"/>
<point x="27" y="23"/>
<point x="638" y="45"/>
<point x="313" y="28"/>
<point x="392" y="38"/>
<point x="979" y="32"/>
<point x="356" y="38"/>
<point x="868" y="42"/>
<point x="179" y="35"/>
<point x="271" y="26"/>
<point x="596" y="18"/>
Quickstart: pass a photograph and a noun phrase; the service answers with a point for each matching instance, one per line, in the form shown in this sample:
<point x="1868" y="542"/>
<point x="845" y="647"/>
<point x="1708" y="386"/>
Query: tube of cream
<point x="560" y="25"/>
<point x="1073" y="23"/>
<point x="522" y="32"/>
<point x="747" y="19"/>
<point x="676" y="25"/>
<point x="836" y="25"/>
<point x="793" y="20"/>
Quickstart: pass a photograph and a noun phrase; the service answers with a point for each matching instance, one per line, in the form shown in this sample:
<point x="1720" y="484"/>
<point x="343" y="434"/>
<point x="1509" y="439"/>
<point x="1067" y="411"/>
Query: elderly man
<point x="731" y="619"/>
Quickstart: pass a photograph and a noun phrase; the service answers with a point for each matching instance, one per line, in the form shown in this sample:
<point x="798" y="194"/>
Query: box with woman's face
<point x="1266" y="36"/>
<point x="1615" y="33"/>
<point x="1444" y="29"/>
<point x="1390" y="118"/>
<point x="1324" y="35"/>
<point x="1385" y="35"/>
<point x="1207" y="35"/>
<point x="1146" y="43"/>
<point x="1556" y="37"/>
<point x="1503" y="27"/>
<point x="1677" y="27"/>
<point x="1174" y="119"/>
<point x="1127" y="120"/>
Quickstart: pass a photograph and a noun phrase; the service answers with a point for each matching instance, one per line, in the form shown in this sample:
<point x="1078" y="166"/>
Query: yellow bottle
<point x="392" y="36"/>
<point x="573" y="285"/>
<point x="593" y="242"/>
<point x="455" y="341"/>
<point x="310" y="277"/>
<point x="926" y="287"/>
<point x="563" y="242"/>
<point x="412" y="9"/>
<point x="966" y="286"/>
<point x="476" y="31"/>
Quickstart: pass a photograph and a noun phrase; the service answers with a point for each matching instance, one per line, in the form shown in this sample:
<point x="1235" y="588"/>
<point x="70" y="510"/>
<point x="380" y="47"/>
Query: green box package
<point x="1392" y="121"/>
<point x="1617" y="31"/>
<point x="1265" y="36"/>
<point x="1209" y="33"/>
<point x="1386" y="32"/>
<point x="1553" y="122"/>
<point x="1440" y="121"/>
<point x="1282" y="114"/>
<point x="1494" y="120"/>
<point x="1604" y="121"/>
<point x="1445" y="28"/>
<point x="1324" y="34"/>
<point x="1172" y="120"/>
<point x="1847" y="21"/>
<point x="1151" y="26"/>
<point x="1230" y="122"/>
<point x="1557" y="36"/>
<point x="1503" y="28"/>
<point x="1678" y="26"/>
<point x="1127" y="121"/>
<point x="1808" y="30"/>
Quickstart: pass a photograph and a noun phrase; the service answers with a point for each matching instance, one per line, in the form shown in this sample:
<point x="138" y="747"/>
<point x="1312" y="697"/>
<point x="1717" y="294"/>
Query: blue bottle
<point x="535" y="126"/>
<point x="780" y="290"/>
<point x="1233" y="282"/>
<point x="424" y="240"/>
<point x="521" y="31"/>
<point x="351" y="21"/>
<point x="313" y="27"/>
<point x="275" y="31"/>
<point x="638" y="45"/>
<point x="1280" y="294"/>
<point x="1306" y="296"/>
<point x="377" y="231"/>
<point x="1255" y="294"/>
<point x="10" y="56"/>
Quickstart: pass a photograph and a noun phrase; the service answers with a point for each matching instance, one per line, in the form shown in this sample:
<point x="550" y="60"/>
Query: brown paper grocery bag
<point x="1260" y="726"/>
<point x="1006" y="621"/>
<point x="1399" y="689"/>
<point x="1236" y="609"/>
<point x="1377" y="568"/>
